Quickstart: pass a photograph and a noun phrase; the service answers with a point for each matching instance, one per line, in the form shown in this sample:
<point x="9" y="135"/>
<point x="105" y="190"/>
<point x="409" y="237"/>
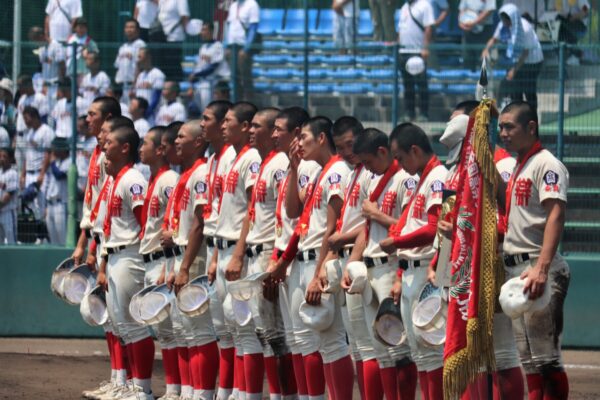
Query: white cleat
<point x="117" y="393"/>
<point x="170" y="396"/>
<point x="137" y="393"/>
<point x="103" y="388"/>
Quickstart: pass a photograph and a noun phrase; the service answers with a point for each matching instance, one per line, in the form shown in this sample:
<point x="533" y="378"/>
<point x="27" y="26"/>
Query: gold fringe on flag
<point x="461" y="368"/>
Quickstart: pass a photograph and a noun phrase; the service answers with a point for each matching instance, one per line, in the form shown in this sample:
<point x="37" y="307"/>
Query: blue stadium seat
<point x="257" y="72"/>
<point x="340" y="59"/>
<point x="460" y="88"/>
<point x="277" y="73"/>
<point x="192" y="58"/>
<point x="187" y="70"/>
<point x="449" y="74"/>
<point x="320" y="88"/>
<point x="274" y="44"/>
<point x="378" y="74"/>
<point x="435" y="87"/>
<point x="286" y="88"/>
<point x="365" y="24"/>
<point x="367" y="44"/>
<point x="270" y="59"/>
<point x="345" y="73"/>
<point x="321" y="45"/>
<point x="374" y="59"/>
<point x="271" y="20"/>
<point x="184" y="86"/>
<point x="294" y="23"/>
<point x="323" y="24"/>
<point x="353" y="88"/>
<point x="387" y="88"/>
<point x="262" y="86"/>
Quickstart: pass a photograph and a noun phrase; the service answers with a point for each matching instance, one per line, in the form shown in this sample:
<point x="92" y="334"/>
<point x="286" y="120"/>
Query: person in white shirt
<point x="210" y="67"/>
<point x="60" y="116"/>
<point x="415" y="35"/>
<point x="476" y="21"/>
<point x="9" y="188"/>
<point x="532" y="11"/>
<point x="95" y="83"/>
<point x="85" y="45"/>
<point x="573" y="25"/>
<point x="57" y="191"/>
<point x="60" y="16"/>
<point x="86" y="142"/>
<point x="523" y="51"/>
<point x="242" y="26"/>
<point x="171" y="110"/>
<point x="174" y="16"/>
<point x="126" y="61"/>
<point x="52" y="56"/>
<point x="137" y="109"/>
<point x="145" y="13"/>
<point x="149" y="82"/>
<point x="344" y="23"/>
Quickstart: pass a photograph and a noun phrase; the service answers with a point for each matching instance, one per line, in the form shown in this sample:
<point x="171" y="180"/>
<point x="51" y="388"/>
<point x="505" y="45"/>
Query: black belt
<point x="96" y="239"/>
<point x="280" y="253"/>
<point x="306" y="255"/>
<point x="371" y="262"/>
<point x="115" y="250"/>
<point x="515" y="259"/>
<point x="157" y="255"/>
<point x="210" y="241"/>
<point x="254" y="251"/>
<point x="345" y="252"/>
<point x="223" y="244"/>
<point x="404" y="264"/>
<point x="88" y="233"/>
<point x="171" y="252"/>
<point x="33" y="171"/>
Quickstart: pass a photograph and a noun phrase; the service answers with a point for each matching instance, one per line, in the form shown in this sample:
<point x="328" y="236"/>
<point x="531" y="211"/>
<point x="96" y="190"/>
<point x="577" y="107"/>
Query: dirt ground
<point x="61" y="369"/>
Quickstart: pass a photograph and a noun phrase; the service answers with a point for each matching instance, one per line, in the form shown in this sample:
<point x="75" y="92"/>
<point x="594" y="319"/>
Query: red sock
<point x="556" y="385"/>
<point x="143" y="357"/>
<point x="342" y="372"/>
<point x="372" y="380"/>
<point x="254" y="371"/>
<point x="535" y="387"/>
<point x="329" y="381"/>
<point x="170" y="366"/>
<point x="435" y="382"/>
<point x="202" y="365"/>
<point x="423" y="385"/>
<point x="111" y="351"/>
<point x="288" y="380"/>
<point x="131" y="360"/>
<point x="183" y="361"/>
<point x="240" y="374"/>
<point x="358" y="364"/>
<point x="126" y="359"/>
<point x="407" y="381"/>
<point x="226" y="367"/>
<point x="509" y="384"/>
<point x="298" y="363"/>
<point x="272" y="371"/>
<point x="315" y="375"/>
<point x="389" y="381"/>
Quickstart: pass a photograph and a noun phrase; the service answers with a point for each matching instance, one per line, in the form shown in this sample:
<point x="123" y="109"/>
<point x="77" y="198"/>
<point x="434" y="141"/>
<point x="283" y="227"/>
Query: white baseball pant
<point x="164" y="330"/>
<point x="56" y="221"/>
<point x="8" y="227"/>
<point x="222" y="331"/>
<point x="286" y="289"/>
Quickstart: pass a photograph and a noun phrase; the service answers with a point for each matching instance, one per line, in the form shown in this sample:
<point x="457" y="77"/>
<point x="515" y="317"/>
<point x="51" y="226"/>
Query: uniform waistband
<point x="512" y="260"/>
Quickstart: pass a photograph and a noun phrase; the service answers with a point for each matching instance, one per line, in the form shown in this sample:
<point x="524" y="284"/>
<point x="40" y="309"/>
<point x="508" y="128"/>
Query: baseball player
<point x="28" y="98"/>
<point x="161" y="185"/>
<point x="325" y="354"/>
<point x="390" y="370"/>
<point x="414" y="235"/>
<point x="184" y="232"/>
<point x="508" y="378"/>
<point x="536" y="200"/>
<point x="217" y="166"/>
<point x="57" y="191"/>
<point x="85" y="45"/>
<point x="231" y="233"/>
<point x="137" y="110"/>
<point x="61" y="113"/>
<point x="149" y="81"/>
<point x="96" y="82"/>
<point x="172" y="110"/>
<point x="126" y="60"/>
<point x="9" y="186"/>
<point x="122" y="275"/>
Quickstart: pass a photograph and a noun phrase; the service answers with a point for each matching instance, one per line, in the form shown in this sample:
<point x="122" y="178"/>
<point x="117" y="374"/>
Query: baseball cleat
<point x="104" y="387"/>
<point x="170" y="396"/>
<point x="137" y="393"/>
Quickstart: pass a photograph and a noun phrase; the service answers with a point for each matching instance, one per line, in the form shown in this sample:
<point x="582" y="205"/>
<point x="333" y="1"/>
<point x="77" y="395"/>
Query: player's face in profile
<point x="147" y="149"/>
<point x="169" y="151"/>
<point x="231" y="127"/>
<point x="131" y="31"/>
<point x="112" y="148"/>
<point x="343" y="145"/>
<point x="281" y="136"/>
<point x="308" y="144"/>
<point x="211" y="127"/>
<point x="408" y="160"/>
<point x="104" y="131"/>
<point x="4" y="159"/>
<point x="184" y="144"/>
<point x="513" y="134"/>
<point x="94" y="118"/>
<point x="259" y="131"/>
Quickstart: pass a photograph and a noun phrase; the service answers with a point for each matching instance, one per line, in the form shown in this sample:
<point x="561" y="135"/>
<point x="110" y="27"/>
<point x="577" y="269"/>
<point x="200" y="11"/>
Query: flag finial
<point x="483" y="79"/>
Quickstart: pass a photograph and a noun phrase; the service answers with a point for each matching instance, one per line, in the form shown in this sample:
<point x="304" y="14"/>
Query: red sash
<point x="252" y="207"/>
<point x="237" y="158"/>
<point x="374" y="196"/>
<point x="211" y="181"/>
<point x="109" y="205"/>
<point x="146" y="206"/>
<point x="175" y="200"/>
<point x="280" y="198"/>
<point x="339" y="222"/>
<point x="91" y="169"/>
<point x="103" y="193"/>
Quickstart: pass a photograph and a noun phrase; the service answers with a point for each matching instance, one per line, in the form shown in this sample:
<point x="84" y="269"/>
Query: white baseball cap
<point x="357" y="270"/>
<point x="77" y="283"/>
<point x="242" y="314"/>
<point x="194" y="298"/>
<point x="134" y="304"/>
<point x="7" y="85"/>
<point x="453" y="136"/>
<point x="156" y="304"/>
<point x="58" y="276"/>
<point x="429" y="316"/>
<point x="248" y="287"/>
<point x="388" y="327"/>
<point x="193" y="27"/>
<point x="515" y="303"/>
<point x="333" y="269"/>
<point x="93" y="307"/>
<point x="319" y="317"/>
<point x="415" y="65"/>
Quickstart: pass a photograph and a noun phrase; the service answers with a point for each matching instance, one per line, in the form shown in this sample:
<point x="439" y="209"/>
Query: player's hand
<point x="271" y="285"/>
<point x="242" y="55"/>
<point x="445" y="228"/>
<point x="102" y="281"/>
<point x="315" y="289"/>
<point x="431" y="275"/>
<point x="387" y="245"/>
<point x="166" y="239"/>
<point x="171" y="280"/>
<point x="183" y="277"/>
<point x="396" y="290"/>
<point x="294" y="154"/>
<point x="211" y="272"/>
<point x="510" y="74"/>
<point x="77" y="255"/>
<point x="369" y="209"/>
<point x="335" y="242"/>
<point x="346" y="280"/>
<point x="161" y="278"/>
<point x="90" y="261"/>
<point x="466" y="26"/>
<point x="485" y="54"/>
<point x="535" y="283"/>
<point x="277" y="270"/>
<point x="425" y="54"/>
<point x="234" y="269"/>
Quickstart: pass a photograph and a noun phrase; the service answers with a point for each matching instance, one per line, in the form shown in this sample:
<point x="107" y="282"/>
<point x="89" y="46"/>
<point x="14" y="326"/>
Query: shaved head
<point x="193" y="127"/>
<point x="270" y="114"/>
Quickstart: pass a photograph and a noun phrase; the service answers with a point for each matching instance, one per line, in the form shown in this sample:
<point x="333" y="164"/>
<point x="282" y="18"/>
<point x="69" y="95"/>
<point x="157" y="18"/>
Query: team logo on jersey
<point x="437" y="187"/>
<point x="254" y="167"/>
<point x="200" y="187"/>
<point x="551" y="180"/>
<point x="232" y="179"/>
<point x="154" y="209"/>
<point x="261" y="191"/>
<point x="137" y="192"/>
<point x="505" y="176"/>
<point x="303" y="181"/>
<point x="389" y="202"/>
<point x="523" y="191"/>
<point x="168" y="190"/>
<point x="279" y="175"/>
<point x="410" y="184"/>
<point x="334" y="178"/>
<point x="418" y="206"/>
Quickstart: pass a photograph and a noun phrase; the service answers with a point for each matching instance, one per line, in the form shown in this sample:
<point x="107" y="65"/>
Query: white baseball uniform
<point x="149" y="81"/>
<point x="126" y="61"/>
<point x="50" y="56"/>
<point x="38" y="145"/>
<point x="60" y="14"/>
<point x="9" y="183"/>
<point x="147" y="12"/>
<point x="169" y="15"/>
<point x="142" y="126"/>
<point x="93" y="86"/>
<point x="212" y="67"/>
<point x="170" y="112"/>
<point x="56" y="200"/>
<point x="95" y="179"/>
<point x="36" y="100"/>
<point x="61" y="115"/>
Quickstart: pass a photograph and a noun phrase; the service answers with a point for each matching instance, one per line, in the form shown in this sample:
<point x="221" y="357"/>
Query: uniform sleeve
<point x="181" y="114"/>
<point x="428" y="15"/>
<point x="462" y="6"/>
<point x="183" y="8"/>
<point x="530" y="42"/>
<point x="76" y="10"/>
<point x="47" y="139"/>
<point x="218" y="53"/>
<point x="49" y="7"/>
<point x="201" y="188"/>
<point x="231" y="16"/>
<point x="552" y="180"/>
<point x="135" y="192"/>
<point x="435" y="192"/>
<point x="250" y="172"/>
<point x="59" y="53"/>
<point x="104" y="84"/>
<point x="254" y="14"/>
<point x="159" y="81"/>
<point x="42" y="105"/>
<point x="12" y="181"/>
<point x="334" y="185"/>
<point x="167" y="190"/>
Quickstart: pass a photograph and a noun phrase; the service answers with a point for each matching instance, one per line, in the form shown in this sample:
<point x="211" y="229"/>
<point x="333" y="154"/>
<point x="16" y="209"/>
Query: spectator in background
<point x="149" y="82"/>
<point x="220" y="17"/>
<point x="382" y="15"/>
<point x="210" y="67"/>
<point x="9" y="190"/>
<point x="415" y="32"/>
<point x="476" y="21"/>
<point x="523" y="52"/>
<point x="242" y="25"/>
<point x="145" y="12"/>
<point x="57" y="191"/>
<point x="60" y="18"/>
<point x="528" y="9"/>
<point x="174" y="16"/>
<point x="222" y="91"/>
<point x="137" y="108"/>
<point x="573" y="25"/>
<point x="344" y="23"/>
<point x="116" y="93"/>
<point x="440" y="11"/>
<point x="8" y="112"/>
<point x="60" y="116"/>
<point x="95" y="83"/>
<point x="171" y="110"/>
<point x="52" y="58"/>
<point x="86" y="142"/>
<point x="85" y="45"/>
<point x="5" y="142"/>
<point x="126" y="60"/>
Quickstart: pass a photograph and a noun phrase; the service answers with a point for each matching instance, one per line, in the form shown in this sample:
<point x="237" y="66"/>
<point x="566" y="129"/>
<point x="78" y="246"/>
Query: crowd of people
<point x="334" y="228"/>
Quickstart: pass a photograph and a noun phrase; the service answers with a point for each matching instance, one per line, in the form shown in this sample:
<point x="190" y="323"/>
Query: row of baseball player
<point x="309" y="203"/>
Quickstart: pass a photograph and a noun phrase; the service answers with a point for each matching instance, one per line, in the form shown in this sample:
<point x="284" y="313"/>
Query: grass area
<point x="587" y="123"/>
